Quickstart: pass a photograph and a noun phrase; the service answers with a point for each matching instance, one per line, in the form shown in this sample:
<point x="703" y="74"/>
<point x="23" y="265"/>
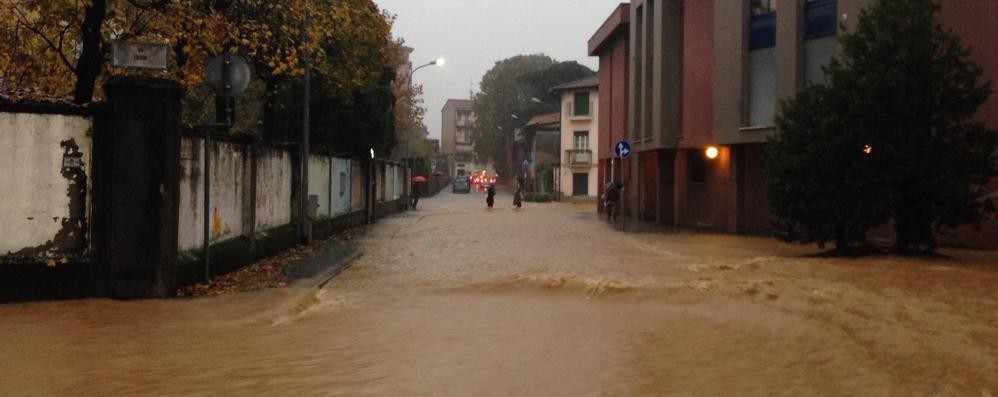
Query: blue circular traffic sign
<point x="622" y="148"/>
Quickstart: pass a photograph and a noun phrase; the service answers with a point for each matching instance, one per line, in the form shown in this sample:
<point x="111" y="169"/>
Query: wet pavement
<point x="456" y="299"/>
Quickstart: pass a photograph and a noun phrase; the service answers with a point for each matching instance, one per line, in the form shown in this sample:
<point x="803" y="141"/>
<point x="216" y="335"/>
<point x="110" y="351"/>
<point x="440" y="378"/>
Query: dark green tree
<point x="904" y="86"/>
<point x="507" y="90"/>
<point x="818" y="173"/>
<point x="352" y="125"/>
<point x="538" y="84"/>
<point x="500" y="98"/>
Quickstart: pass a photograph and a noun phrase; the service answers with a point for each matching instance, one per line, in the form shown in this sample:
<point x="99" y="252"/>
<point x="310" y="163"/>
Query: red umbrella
<point x="418" y="179"/>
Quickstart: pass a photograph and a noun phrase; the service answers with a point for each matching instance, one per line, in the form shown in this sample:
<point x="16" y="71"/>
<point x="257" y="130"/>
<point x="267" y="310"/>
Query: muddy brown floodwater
<point x="457" y="300"/>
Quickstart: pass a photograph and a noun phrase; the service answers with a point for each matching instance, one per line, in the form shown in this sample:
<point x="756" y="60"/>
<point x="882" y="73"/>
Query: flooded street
<point x="455" y="299"/>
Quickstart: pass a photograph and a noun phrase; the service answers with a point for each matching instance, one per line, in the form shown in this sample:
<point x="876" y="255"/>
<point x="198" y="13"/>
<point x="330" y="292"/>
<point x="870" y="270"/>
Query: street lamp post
<point x="405" y="158"/>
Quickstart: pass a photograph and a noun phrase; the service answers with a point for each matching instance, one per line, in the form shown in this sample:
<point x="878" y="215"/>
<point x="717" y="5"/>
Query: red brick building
<point x="703" y="80"/>
<point x="973" y="21"/>
<point x="611" y="44"/>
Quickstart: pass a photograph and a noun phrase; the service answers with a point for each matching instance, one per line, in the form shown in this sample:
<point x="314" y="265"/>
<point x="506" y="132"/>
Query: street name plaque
<point x="140" y="55"/>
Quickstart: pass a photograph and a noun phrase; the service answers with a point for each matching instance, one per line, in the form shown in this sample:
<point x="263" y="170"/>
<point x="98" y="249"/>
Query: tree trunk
<point x="913" y="230"/>
<point x="91" y="61"/>
<point x="841" y="241"/>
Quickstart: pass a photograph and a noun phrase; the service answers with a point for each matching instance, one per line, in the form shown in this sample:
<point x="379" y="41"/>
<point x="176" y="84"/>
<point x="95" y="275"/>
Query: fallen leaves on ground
<point x="272" y="272"/>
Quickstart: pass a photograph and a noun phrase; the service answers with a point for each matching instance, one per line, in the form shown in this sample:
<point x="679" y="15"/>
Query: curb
<point x="336" y="270"/>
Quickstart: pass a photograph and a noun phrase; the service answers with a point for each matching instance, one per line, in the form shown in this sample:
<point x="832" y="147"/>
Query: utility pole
<point x="305" y="219"/>
<point x="405" y="158"/>
<point x="405" y="137"/>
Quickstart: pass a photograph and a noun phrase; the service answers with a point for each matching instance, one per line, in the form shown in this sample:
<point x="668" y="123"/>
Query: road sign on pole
<point x="228" y="74"/>
<point x="622" y="148"/>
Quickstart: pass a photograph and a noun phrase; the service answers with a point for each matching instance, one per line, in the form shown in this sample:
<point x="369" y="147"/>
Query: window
<point x="638" y="77"/>
<point x="820" y="43"/>
<point x="760" y="7"/>
<point x="698" y="166"/>
<point x="462" y="136"/>
<point x="762" y="63"/>
<point x="650" y="42"/>
<point x="581" y="107"/>
<point x="581" y="140"/>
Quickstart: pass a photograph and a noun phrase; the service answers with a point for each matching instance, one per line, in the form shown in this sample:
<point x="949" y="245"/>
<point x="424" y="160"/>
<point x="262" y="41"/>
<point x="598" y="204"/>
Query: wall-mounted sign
<point x="72" y="162"/>
<point x="140" y="55"/>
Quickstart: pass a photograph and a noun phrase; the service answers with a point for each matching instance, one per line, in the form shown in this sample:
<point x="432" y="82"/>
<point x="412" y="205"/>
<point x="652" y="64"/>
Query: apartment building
<point x="456" y="121"/>
<point x="578" y="172"/>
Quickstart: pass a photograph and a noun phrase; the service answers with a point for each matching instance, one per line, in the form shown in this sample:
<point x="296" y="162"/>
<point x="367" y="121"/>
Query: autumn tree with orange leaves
<point x="57" y="48"/>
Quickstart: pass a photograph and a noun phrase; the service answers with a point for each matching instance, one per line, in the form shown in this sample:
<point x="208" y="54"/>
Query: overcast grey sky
<point x="473" y="34"/>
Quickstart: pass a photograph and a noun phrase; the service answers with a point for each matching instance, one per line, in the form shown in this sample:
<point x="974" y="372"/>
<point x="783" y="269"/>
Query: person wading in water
<point x="518" y="196"/>
<point x="490" y="199"/>
<point x="415" y="195"/>
<point x="612" y="203"/>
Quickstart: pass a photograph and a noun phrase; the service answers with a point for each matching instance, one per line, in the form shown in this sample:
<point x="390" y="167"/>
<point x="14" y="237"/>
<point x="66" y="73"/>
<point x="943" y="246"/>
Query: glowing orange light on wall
<point x="867" y="149"/>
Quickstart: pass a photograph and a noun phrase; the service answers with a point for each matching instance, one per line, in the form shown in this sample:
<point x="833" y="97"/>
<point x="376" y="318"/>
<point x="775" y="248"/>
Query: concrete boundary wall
<point x="229" y="182"/>
<point x="108" y="200"/>
<point x="274" y="184"/>
<point x="45" y="186"/>
<point x="254" y="200"/>
<point x="330" y="181"/>
<point x="253" y="188"/>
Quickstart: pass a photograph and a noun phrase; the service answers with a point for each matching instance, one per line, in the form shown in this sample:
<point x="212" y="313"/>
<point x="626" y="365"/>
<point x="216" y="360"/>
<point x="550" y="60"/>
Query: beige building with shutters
<point x="578" y="173"/>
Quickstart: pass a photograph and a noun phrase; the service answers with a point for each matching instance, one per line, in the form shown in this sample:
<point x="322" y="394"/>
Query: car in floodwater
<point x="462" y="185"/>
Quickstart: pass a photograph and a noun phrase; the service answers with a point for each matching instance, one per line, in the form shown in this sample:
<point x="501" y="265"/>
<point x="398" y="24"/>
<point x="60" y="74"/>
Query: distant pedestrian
<point x="518" y="197"/>
<point x="415" y="195"/>
<point x="612" y="202"/>
<point x="490" y="198"/>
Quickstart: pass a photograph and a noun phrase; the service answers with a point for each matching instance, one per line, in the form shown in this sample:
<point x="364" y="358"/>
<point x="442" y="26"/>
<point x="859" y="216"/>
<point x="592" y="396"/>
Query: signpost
<point x="622" y="149"/>
<point x="228" y="75"/>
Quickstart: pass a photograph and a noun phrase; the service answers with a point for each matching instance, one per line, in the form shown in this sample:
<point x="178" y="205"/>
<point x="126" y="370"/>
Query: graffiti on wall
<point x="219" y="228"/>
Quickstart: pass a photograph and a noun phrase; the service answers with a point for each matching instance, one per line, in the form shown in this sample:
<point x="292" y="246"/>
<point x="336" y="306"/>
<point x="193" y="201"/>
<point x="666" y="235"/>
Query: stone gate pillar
<point x="143" y="126"/>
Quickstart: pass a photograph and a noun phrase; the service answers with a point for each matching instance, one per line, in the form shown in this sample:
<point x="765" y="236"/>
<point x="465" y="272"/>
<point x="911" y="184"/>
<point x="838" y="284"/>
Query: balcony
<point x="579" y="158"/>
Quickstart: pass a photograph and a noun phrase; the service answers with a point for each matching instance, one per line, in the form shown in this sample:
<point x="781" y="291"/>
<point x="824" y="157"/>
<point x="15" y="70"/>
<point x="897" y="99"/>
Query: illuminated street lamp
<point x="405" y="157"/>
<point x="438" y="62"/>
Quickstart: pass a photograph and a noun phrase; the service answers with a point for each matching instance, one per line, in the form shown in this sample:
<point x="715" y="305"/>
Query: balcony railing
<point x="579" y="157"/>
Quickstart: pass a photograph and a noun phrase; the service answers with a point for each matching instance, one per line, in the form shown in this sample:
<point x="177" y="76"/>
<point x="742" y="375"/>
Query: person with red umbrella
<point x="415" y="189"/>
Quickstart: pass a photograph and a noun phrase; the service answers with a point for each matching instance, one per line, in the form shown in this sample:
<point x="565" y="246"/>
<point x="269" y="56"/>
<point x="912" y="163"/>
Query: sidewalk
<point x="313" y="264"/>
